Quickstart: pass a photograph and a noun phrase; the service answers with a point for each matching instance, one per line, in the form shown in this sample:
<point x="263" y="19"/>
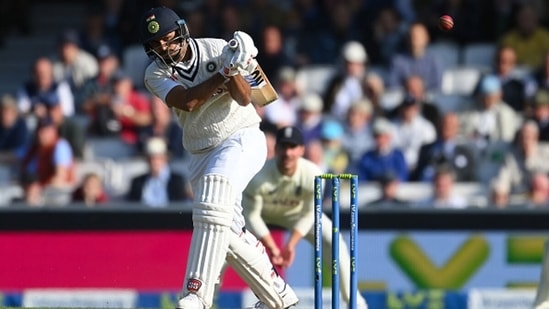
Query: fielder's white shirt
<point x="273" y="198"/>
<point x="220" y="116"/>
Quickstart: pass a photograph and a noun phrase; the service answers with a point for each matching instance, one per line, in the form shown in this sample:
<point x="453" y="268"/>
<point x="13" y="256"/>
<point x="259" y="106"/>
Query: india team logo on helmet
<point x="153" y="26"/>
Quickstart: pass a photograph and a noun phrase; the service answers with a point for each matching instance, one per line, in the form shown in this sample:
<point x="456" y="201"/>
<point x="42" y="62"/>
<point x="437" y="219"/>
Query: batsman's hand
<point x="226" y="60"/>
<point x="245" y="50"/>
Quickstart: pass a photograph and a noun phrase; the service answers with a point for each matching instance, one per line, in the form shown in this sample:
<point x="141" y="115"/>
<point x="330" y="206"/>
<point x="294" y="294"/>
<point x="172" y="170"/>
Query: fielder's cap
<point x="69" y="37"/>
<point x="490" y="84"/>
<point x="541" y="98"/>
<point x="311" y="102"/>
<point x="331" y="130"/>
<point x="381" y="126"/>
<point x="156" y="146"/>
<point x="290" y="135"/>
<point x="354" y="51"/>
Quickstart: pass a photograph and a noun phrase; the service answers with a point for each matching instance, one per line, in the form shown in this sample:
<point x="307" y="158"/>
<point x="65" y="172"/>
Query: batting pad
<point x="542" y="292"/>
<point x="212" y="218"/>
<point x="248" y="258"/>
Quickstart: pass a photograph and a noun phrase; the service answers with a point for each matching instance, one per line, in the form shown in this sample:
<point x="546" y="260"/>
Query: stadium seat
<point x="447" y="53"/>
<point x="460" y="80"/>
<point x="108" y="147"/>
<point x="451" y="102"/>
<point x="480" y="55"/>
<point x="314" y="78"/>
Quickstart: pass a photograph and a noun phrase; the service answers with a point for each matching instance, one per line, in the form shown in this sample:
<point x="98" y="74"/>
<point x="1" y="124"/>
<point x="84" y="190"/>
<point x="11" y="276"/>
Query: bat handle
<point x="233" y="44"/>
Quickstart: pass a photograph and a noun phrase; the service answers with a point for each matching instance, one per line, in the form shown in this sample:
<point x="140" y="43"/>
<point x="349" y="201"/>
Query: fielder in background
<point x="202" y="81"/>
<point x="282" y="194"/>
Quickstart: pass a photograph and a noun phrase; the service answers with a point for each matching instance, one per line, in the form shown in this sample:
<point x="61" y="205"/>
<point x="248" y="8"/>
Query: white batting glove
<point x="245" y="50"/>
<point x="227" y="57"/>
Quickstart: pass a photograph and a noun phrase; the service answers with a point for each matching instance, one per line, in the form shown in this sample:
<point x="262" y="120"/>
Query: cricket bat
<point x="263" y="92"/>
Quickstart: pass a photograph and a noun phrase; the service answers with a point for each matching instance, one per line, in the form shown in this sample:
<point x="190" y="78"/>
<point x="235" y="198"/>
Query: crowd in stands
<point x="364" y="80"/>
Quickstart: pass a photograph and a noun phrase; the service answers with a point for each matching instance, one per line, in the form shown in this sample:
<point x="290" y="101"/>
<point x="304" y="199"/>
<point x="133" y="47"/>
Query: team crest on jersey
<point x="211" y="66"/>
<point x="153" y="26"/>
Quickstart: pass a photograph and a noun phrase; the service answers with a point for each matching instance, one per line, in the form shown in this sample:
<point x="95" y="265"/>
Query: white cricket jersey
<point x="218" y="118"/>
<point x="273" y="198"/>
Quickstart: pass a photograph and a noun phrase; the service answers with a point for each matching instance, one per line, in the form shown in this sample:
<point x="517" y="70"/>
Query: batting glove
<point x="245" y="50"/>
<point x="227" y="57"/>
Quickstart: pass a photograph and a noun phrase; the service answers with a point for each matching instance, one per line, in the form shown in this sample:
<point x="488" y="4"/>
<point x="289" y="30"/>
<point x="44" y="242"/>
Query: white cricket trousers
<point x="238" y="158"/>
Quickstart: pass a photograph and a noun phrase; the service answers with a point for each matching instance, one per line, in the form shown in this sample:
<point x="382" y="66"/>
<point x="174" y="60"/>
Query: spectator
<point x="314" y="152"/>
<point x="447" y="150"/>
<point x="310" y="117"/>
<point x="415" y="87"/>
<point x="374" y="88"/>
<point x="14" y="133"/>
<point x="538" y="191"/>
<point x="527" y="158"/>
<point x="159" y="186"/>
<point x="492" y="120"/>
<point x="358" y="136"/>
<point x="346" y="86"/>
<point x="163" y="125"/>
<point x="283" y="111"/>
<point x="412" y="131"/>
<point x="529" y="39"/>
<point x="540" y="113"/>
<point x="71" y="63"/>
<point x="416" y="60"/>
<point x="69" y="129"/>
<point x="49" y="157"/>
<point x="499" y="195"/>
<point x="388" y="183"/>
<point x="130" y="108"/>
<point x="91" y="191"/>
<point x="384" y="157"/>
<point x="272" y="52"/>
<point x="444" y="195"/>
<point x="541" y="74"/>
<point x="336" y="158"/>
<point x="97" y="94"/>
<point x="389" y="31"/>
<point x="42" y="90"/>
<point x="32" y="191"/>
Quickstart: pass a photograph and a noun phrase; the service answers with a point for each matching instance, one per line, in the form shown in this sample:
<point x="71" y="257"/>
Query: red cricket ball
<point x="446" y="22"/>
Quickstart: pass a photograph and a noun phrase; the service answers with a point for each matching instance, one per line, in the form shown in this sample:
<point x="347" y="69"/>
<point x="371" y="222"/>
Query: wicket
<point x="335" y="184"/>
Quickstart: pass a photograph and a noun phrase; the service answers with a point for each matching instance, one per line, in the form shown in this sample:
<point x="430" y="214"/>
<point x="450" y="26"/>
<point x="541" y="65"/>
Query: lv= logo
<point x="456" y="271"/>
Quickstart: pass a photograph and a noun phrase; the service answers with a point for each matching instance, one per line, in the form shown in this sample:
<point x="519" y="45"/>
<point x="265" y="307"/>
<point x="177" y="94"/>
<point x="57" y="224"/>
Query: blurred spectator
<point x="130" y="108"/>
<point x="529" y="39"/>
<point x="314" y="153"/>
<point x="32" y="190"/>
<point x="41" y="90"/>
<point x="159" y="186"/>
<point x="358" y="137"/>
<point x="447" y="150"/>
<point x="91" y="191"/>
<point x="412" y="130"/>
<point x="283" y="111"/>
<point x="310" y="117"/>
<point x="541" y="74"/>
<point x="538" y="191"/>
<point x="444" y="195"/>
<point x="100" y="28"/>
<point x="389" y="32"/>
<point x="388" y="183"/>
<point x="14" y="133"/>
<point x="69" y="129"/>
<point x="516" y="89"/>
<point x="527" y="158"/>
<point x="232" y="19"/>
<point x="492" y="119"/>
<point x="499" y="195"/>
<point x="540" y="113"/>
<point x="71" y="63"/>
<point x="264" y="14"/>
<point x="272" y="53"/>
<point x="383" y="158"/>
<point x="49" y="157"/>
<point x="416" y="60"/>
<point x="335" y="157"/>
<point x="415" y="87"/>
<point x="346" y="86"/>
<point x="374" y="87"/>
<point x="97" y="94"/>
<point x="163" y="125"/>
